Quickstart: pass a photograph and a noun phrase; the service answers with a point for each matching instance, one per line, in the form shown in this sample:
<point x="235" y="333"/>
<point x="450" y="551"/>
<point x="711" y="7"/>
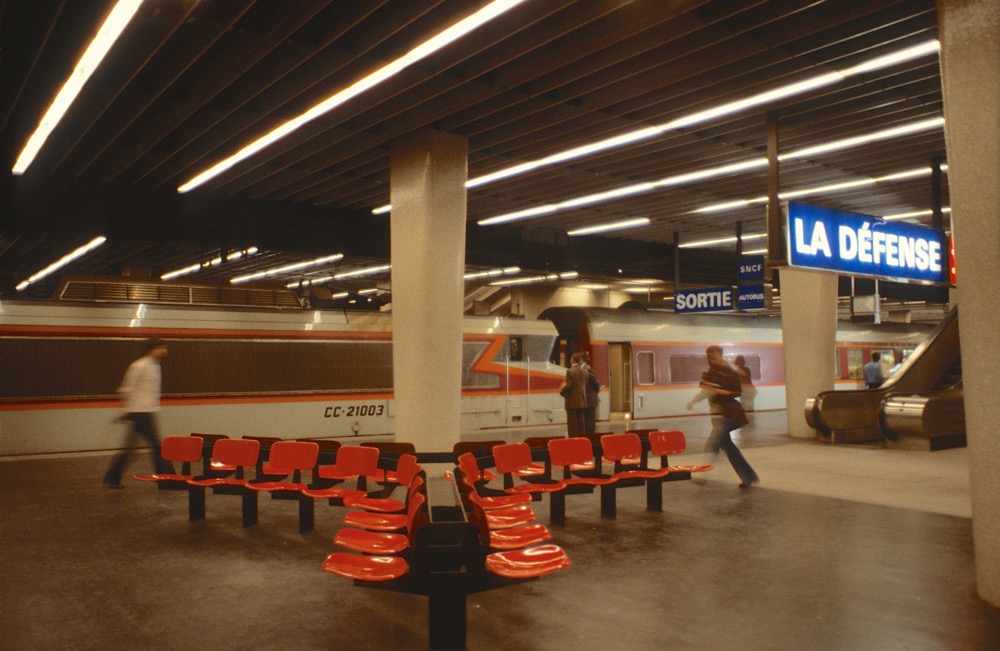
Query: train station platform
<point x="836" y="548"/>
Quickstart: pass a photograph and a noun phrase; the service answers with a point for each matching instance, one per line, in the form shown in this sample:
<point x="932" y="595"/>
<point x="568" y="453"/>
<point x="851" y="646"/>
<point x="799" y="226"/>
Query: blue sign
<point x="713" y="299"/>
<point x="751" y="268"/>
<point x="855" y="244"/>
<point x="751" y="297"/>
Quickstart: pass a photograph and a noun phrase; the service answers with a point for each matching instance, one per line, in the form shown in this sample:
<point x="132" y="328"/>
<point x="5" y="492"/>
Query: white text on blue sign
<point x="713" y="299"/>
<point x="820" y="238"/>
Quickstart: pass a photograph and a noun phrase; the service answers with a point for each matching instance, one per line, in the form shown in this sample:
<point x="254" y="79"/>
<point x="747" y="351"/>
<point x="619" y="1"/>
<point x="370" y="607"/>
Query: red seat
<point x="621" y="449"/>
<point x="519" y="537"/>
<point x="292" y="458"/>
<point x="385" y="504"/>
<point x="372" y="542"/>
<point x="574" y="457"/>
<point x="670" y="442"/>
<point x="664" y="444"/>
<point x="236" y="456"/>
<point x="391" y="449"/>
<point x="618" y="447"/>
<point x="366" y="568"/>
<point x="511" y="516"/>
<point x="353" y="462"/>
<point x="528" y="563"/>
<point x="181" y="449"/>
<point x="468" y="470"/>
<point x="514" y="460"/>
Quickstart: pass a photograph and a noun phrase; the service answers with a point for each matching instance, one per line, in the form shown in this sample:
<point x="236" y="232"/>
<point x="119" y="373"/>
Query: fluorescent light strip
<point x="701" y="175"/>
<point x="506" y="271"/>
<point x="885" y="134"/>
<point x="755" y="252"/>
<point x="565" y="275"/>
<point x="367" y="271"/>
<point x="721" y="240"/>
<point x="62" y="262"/>
<point x="611" y="226"/>
<point x="782" y="92"/>
<point x="286" y="268"/>
<point x="918" y="213"/>
<point x="742" y="203"/>
<point x="113" y="26"/>
<point x="198" y="266"/>
<point x="422" y="51"/>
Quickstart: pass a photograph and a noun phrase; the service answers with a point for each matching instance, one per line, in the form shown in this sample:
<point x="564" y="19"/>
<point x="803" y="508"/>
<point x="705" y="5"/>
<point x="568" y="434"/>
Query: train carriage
<point x="318" y="373"/>
<point x="290" y="374"/>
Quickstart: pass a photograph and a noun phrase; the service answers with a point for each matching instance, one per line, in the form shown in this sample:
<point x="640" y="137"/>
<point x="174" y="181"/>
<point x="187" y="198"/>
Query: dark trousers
<point x="721" y="438"/>
<point x="143" y="426"/>
<point x="575" y="422"/>
<point x="590" y="420"/>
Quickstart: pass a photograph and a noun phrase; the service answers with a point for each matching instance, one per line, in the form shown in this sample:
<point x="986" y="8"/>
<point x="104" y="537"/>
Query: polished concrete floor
<point x="837" y="548"/>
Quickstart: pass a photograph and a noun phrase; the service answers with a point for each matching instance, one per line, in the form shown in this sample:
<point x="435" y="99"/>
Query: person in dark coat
<point x="725" y="384"/>
<point x="593" y="397"/>
<point x="575" y="393"/>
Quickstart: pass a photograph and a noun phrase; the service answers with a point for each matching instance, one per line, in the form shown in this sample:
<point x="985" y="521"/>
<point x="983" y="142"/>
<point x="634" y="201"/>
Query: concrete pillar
<point x="970" y="75"/>
<point x="427" y="188"/>
<point x="809" y="332"/>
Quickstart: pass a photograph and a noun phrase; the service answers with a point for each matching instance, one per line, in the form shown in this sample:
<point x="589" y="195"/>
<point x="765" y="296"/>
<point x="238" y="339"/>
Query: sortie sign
<point x="860" y="245"/>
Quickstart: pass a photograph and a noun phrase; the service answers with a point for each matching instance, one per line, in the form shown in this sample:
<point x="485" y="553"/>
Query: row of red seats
<point x="575" y="465"/>
<point x="279" y="473"/>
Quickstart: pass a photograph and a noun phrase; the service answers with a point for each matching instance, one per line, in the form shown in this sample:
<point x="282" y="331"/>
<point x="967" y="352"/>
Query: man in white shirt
<point x="140" y="390"/>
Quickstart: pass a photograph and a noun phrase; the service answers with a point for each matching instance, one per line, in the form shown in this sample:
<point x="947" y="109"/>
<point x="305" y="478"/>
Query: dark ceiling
<point x="190" y="82"/>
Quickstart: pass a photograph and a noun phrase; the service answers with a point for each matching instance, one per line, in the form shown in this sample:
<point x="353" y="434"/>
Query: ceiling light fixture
<point x="611" y="226"/>
<point x="386" y="72"/>
<point x="286" y="268"/>
<point x="821" y="189"/>
<point x="198" y="266"/>
<point x="506" y="271"/>
<point x="709" y="173"/>
<point x="721" y="240"/>
<point x="782" y="92"/>
<point x="914" y="214"/>
<point x="62" y="262"/>
<point x="110" y="30"/>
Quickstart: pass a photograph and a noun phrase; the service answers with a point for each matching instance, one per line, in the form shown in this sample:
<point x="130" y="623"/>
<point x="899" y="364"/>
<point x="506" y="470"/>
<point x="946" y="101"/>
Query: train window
<point x="645" y="368"/>
<point x="515" y="349"/>
<point x="752" y="362"/>
<point x="855" y="362"/>
<point x="687" y="369"/>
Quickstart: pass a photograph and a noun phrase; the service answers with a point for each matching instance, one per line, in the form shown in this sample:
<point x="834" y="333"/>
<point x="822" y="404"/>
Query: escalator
<point x="921" y="404"/>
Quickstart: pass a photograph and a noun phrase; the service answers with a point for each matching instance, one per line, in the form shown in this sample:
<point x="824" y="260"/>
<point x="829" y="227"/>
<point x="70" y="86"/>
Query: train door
<point x="619" y="379"/>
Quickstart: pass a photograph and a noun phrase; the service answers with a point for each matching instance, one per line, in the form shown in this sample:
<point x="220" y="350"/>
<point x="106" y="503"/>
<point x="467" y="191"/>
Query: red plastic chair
<point x="518" y="537"/>
<point x="574" y="457"/>
<point x="664" y="444"/>
<point x="373" y="542"/>
<point x="366" y="568"/>
<point x="528" y="563"/>
<point x="291" y="458"/>
<point x="670" y="442"/>
<point x="468" y="469"/>
<point x="353" y="462"/>
<point x="385" y="504"/>
<point x="617" y="448"/>
<point x="509" y="517"/>
<point x="180" y="449"/>
<point x="234" y="456"/>
<point x="514" y="460"/>
<point x="620" y="449"/>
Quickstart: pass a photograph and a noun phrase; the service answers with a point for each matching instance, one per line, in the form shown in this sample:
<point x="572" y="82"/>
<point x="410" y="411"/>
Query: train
<point x="328" y="374"/>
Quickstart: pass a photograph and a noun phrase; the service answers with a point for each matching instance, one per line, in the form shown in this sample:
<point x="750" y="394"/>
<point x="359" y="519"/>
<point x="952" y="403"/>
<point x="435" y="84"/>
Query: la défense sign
<point x="860" y="245"/>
